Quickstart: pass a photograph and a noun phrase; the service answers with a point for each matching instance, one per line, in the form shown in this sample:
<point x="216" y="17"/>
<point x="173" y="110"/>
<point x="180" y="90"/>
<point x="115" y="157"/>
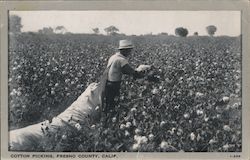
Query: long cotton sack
<point x="28" y="138"/>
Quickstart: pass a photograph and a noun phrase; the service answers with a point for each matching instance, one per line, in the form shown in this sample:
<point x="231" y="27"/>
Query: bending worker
<point x="118" y="65"/>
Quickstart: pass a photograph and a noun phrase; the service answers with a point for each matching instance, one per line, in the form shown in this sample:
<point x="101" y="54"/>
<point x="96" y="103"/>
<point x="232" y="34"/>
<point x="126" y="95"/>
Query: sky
<point x="134" y="22"/>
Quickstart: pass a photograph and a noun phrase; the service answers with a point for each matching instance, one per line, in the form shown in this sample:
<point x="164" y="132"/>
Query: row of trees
<point x="15" y="26"/>
<point x="183" y="32"/>
<point x="180" y="31"/>
<point x="50" y="30"/>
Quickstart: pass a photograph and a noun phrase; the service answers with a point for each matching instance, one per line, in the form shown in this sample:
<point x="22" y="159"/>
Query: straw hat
<point x="125" y="44"/>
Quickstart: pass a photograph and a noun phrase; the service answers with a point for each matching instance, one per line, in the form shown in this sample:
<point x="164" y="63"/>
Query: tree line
<point x="15" y="26"/>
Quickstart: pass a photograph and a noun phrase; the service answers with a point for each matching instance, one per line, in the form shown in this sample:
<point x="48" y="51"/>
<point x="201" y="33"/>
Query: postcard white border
<point x="242" y="5"/>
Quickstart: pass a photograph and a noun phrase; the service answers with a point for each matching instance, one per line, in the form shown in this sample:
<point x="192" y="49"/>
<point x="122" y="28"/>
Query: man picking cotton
<point x="117" y="66"/>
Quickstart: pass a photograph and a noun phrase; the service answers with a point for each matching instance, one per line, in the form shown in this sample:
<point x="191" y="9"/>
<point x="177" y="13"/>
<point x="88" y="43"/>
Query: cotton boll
<point x="133" y="110"/>
<point x="114" y="119"/>
<point x="199" y="112"/>
<point x="64" y="137"/>
<point x="186" y="115"/>
<point x="212" y="141"/>
<point x="97" y="108"/>
<point x="122" y="126"/>
<point x="137" y="131"/>
<point x="226" y="128"/>
<point x="78" y="126"/>
<point x="225" y="147"/>
<point x="162" y="124"/>
<point x="151" y="137"/>
<point x="155" y="91"/>
<point x="199" y="94"/>
<point x="225" y="99"/>
<point x="127" y="134"/>
<point x="143" y="140"/>
<point x="128" y="124"/>
<point x="135" y="147"/>
<point x="192" y="136"/>
<point x="164" y="145"/>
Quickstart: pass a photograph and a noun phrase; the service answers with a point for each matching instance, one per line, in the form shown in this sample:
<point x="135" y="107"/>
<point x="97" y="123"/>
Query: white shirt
<point x="117" y="61"/>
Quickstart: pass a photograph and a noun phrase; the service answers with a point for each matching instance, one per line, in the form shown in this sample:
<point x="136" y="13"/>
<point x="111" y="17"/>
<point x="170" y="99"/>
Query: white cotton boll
<point x="64" y="137"/>
<point x="164" y="145"/>
<point x="226" y="128"/>
<point x="212" y="141"/>
<point x="135" y="147"/>
<point x="154" y="91"/>
<point x="218" y="116"/>
<point x="225" y="147"/>
<point x="143" y="68"/>
<point x="52" y="92"/>
<point x="78" y="126"/>
<point x="127" y="133"/>
<point x="114" y="119"/>
<point x="206" y="119"/>
<point x="97" y="108"/>
<point x="192" y="136"/>
<point x="177" y="107"/>
<point x="12" y="93"/>
<point x="143" y="140"/>
<point x="186" y="115"/>
<point x="179" y="131"/>
<point x="134" y="122"/>
<point x="162" y="124"/>
<point x="136" y="137"/>
<point x="199" y="112"/>
<point x="151" y="137"/>
<point x="128" y="124"/>
<point x="133" y="110"/>
<point x="199" y="94"/>
<point x="122" y="126"/>
<point x="19" y="93"/>
<point x="235" y="106"/>
<point x="225" y="99"/>
<point x="198" y="137"/>
<point x="137" y="131"/>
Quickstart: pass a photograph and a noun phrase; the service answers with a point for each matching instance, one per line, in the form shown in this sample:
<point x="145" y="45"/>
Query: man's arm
<point x="126" y="69"/>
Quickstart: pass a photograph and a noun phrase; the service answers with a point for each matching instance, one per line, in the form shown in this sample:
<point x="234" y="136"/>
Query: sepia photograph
<point x="124" y="81"/>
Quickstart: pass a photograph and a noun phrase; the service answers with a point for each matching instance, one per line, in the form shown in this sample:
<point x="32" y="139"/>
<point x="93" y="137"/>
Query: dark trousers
<point x="112" y="92"/>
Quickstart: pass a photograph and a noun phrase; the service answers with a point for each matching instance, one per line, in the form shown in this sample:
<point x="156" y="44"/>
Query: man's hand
<point x="143" y="68"/>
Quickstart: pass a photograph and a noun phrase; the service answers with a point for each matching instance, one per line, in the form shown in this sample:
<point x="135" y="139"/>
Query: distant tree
<point x="68" y="33"/>
<point x="15" y="24"/>
<point x="46" y="30"/>
<point x="182" y="32"/>
<point x="60" y="30"/>
<point x="163" y="33"/>
<point x="111" y="30"/>
<point x="196" y="33"/>
<point x="211" y="30"/>
<point x="96" y="30"/>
